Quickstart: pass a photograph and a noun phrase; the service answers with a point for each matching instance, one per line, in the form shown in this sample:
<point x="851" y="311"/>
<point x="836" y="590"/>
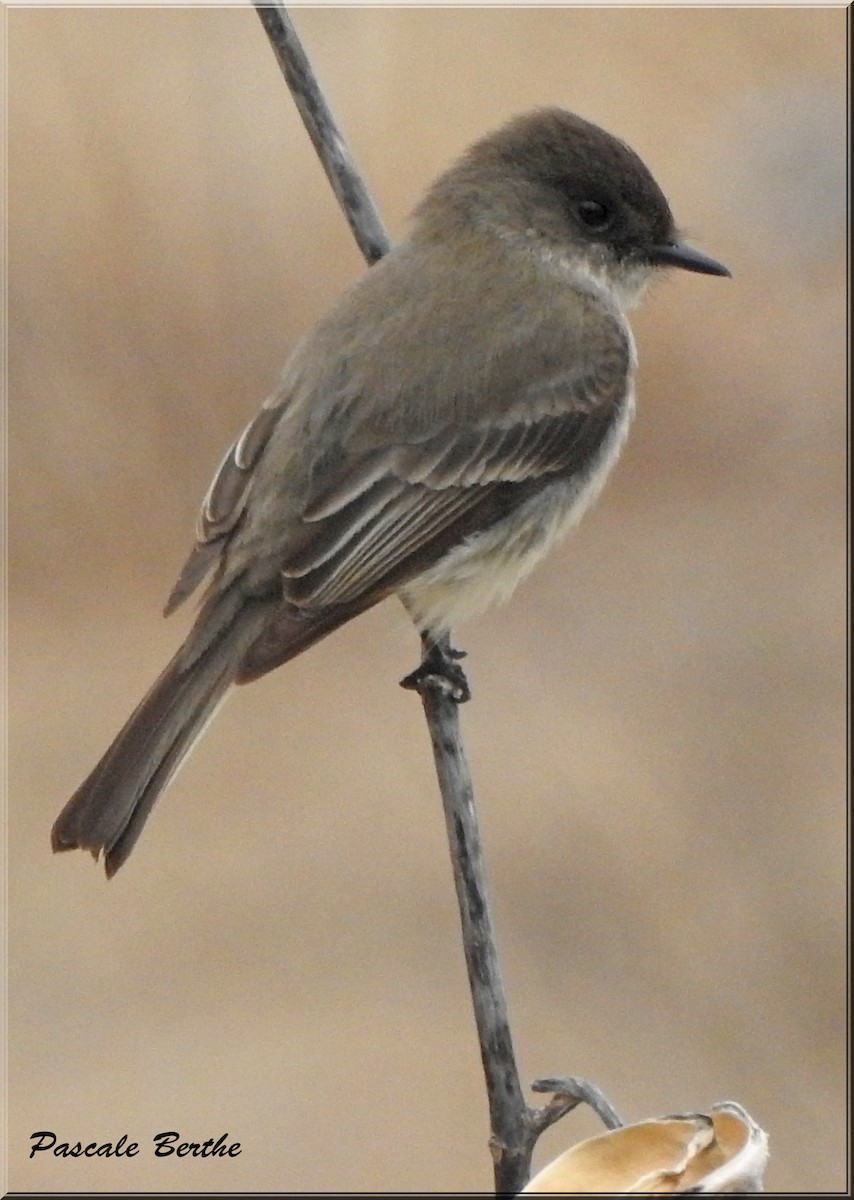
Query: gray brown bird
<point x="451" y="416"/>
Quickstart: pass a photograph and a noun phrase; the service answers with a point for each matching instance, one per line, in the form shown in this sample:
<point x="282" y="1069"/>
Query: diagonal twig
<point x="509" y="1115"/>
<point x="514" y="1126"/>
<point x="341" y="171"/>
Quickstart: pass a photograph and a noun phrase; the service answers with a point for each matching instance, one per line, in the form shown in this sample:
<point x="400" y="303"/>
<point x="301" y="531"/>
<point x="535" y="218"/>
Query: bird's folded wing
<point x="382" y="522"/>
<point x="376" y="514"/>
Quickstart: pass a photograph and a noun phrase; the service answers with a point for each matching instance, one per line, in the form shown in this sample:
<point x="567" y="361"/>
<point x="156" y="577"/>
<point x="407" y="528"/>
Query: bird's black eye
<point x="594" y="215"/>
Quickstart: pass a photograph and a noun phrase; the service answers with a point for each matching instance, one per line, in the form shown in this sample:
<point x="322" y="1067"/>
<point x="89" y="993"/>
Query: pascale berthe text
<point x="165" y="1145"/>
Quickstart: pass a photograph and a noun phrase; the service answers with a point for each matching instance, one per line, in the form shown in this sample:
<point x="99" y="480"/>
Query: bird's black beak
<point x="677" y="254"/>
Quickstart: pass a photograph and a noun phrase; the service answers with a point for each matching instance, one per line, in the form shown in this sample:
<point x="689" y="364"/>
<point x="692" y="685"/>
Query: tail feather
<point x="109" y="809"/>
<point x="235" y="639"/>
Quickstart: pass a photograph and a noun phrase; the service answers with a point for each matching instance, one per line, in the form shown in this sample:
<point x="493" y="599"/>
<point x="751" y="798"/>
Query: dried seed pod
<point x="723" y="1150"/>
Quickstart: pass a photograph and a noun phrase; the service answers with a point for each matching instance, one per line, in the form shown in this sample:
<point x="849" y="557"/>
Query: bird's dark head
<point x="552" y="178"/>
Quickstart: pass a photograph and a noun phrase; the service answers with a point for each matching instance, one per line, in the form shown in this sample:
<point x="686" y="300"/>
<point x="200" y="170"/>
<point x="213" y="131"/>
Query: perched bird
<point x="431" y="436"/>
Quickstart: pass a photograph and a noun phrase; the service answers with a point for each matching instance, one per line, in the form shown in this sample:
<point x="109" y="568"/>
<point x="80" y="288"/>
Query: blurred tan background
<point x="657" y="733"/>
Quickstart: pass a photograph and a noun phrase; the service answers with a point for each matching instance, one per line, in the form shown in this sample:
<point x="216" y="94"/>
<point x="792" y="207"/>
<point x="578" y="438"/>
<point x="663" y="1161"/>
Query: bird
<point x="438" y="429"/>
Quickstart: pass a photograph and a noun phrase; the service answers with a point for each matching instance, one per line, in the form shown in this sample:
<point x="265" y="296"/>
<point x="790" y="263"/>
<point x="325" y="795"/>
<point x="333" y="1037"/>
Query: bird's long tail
<point x="109" y="809"/>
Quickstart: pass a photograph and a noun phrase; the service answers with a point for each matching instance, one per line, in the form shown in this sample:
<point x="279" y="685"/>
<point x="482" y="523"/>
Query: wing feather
<point x="367" y="562"/>
<point x="226" y="496"/>
<point x="368" y="509"/>
<point x="423" y="499"/>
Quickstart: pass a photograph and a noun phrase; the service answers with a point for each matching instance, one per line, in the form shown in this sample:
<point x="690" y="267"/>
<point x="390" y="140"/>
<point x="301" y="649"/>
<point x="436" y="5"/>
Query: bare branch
<point x="341" y="171"/>
<point x="514" y="1126"/>
<point x="568" y="1093"/>
<point x="509" y="1117"/>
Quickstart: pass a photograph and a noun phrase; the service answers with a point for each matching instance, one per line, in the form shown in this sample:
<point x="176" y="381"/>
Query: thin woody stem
<point x="509" y="1115"/>
<point x="356" y="202"/>
<point x="514" y="1126"/>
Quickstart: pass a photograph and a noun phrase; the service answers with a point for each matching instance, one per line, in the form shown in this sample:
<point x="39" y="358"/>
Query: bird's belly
<point x="486" y="568"/>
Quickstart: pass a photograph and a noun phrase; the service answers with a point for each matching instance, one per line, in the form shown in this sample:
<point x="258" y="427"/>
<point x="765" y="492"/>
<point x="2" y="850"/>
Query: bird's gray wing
<point x="378" y="510"/>
<point x="372" y="523"/>
<point x="226" y="499"/>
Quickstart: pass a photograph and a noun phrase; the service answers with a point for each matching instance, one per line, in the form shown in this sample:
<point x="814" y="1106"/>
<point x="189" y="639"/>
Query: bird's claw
<point x="440" y="671"/>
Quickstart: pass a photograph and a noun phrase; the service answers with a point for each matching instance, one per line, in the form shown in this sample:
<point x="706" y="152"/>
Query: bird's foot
<point x="440" y="671"/>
